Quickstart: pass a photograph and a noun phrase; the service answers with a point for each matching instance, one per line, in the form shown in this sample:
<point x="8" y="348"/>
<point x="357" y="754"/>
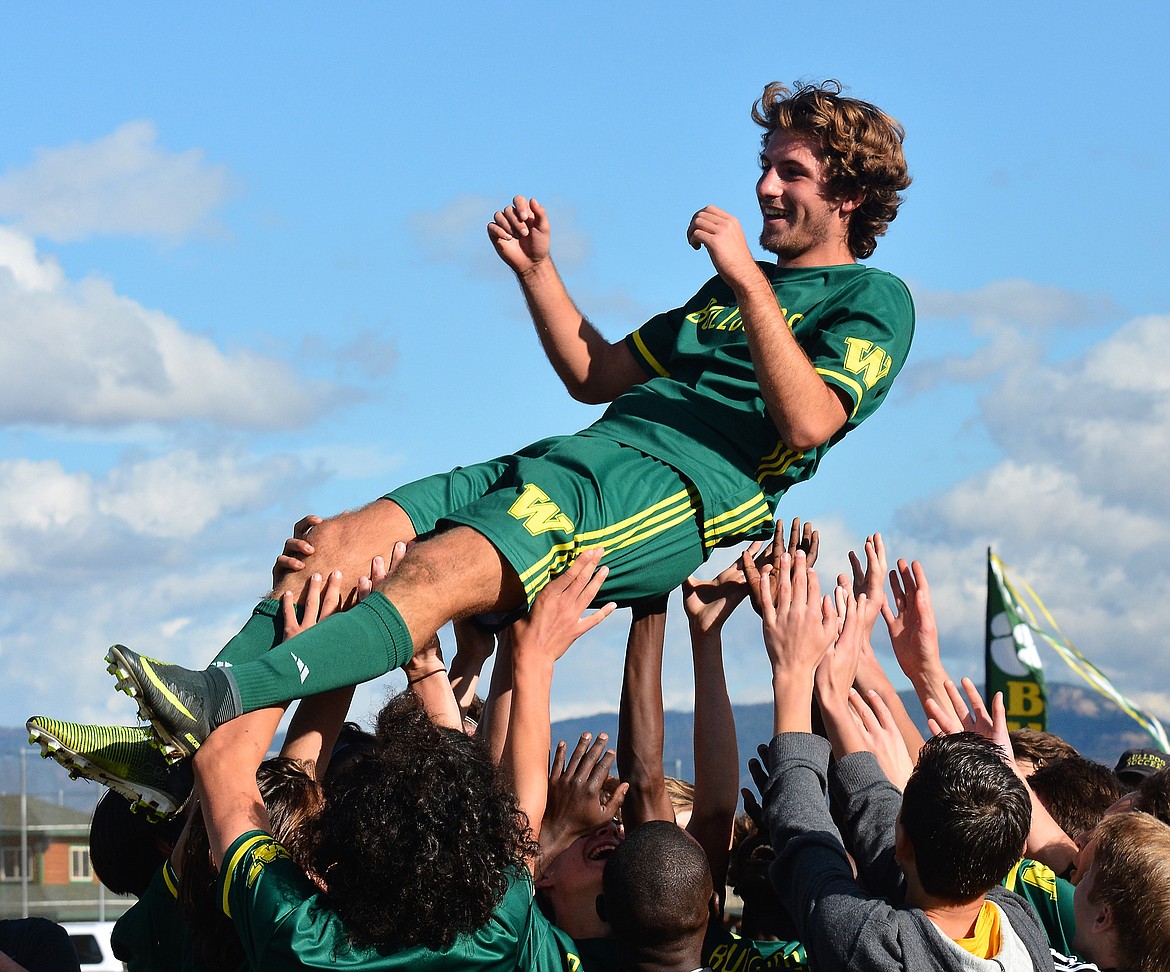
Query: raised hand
<point x="799" y="538"/>
<point x="870" y="581"/>
<point x="379" y="571"/>
<point x="913" y="631"/>
<point x="709" y="603"/>
<point x="296" y="548"/>
<point x="798" y="626"/>
<point x="971" y="715"/>
<point x="557" y="616"/>
<point x="838" y="667"/>
<point x="323" y="597"/>
<point x="726" y="245"/>
<point x="882" y="736"/>
<point x="520" y="234"/>
<point x="577" y="801"/>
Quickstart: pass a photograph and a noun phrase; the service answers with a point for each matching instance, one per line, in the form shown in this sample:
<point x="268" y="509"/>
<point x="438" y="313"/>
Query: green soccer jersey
<point x="1052" y="899"/>
<point x="701" y="410"/>
<point x="284" y="923"/>
<point x="153" y="936"/>
<point x="725" y="952"/>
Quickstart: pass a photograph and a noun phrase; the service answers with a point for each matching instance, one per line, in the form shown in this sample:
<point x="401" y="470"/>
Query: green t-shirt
<point x="701" y="411"/>
<point x="1052" y="899"/>
<point x="153" y="936"/>
<point x="286" y="923"/>
<point x="725" y="952"/>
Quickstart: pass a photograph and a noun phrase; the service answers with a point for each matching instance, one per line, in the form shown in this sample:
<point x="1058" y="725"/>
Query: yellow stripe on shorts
<point x="741" y="519"/>
<point x="641" y="526"/>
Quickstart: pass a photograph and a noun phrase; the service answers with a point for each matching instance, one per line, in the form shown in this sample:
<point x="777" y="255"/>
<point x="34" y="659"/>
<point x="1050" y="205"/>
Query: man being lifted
<point x="717" y="407"/>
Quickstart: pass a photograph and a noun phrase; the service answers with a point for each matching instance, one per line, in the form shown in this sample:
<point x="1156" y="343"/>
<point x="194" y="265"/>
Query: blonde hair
<point x="1131" y="868"/>
<point x="860" y="147"/>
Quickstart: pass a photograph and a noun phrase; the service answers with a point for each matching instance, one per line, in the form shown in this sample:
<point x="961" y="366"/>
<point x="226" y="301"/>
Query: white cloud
<point x="150" y="503"/>
<point x="1076" y="506"/>
<point x="1018" y="303"/>
<point x="166" y="553"/>
<point x="124" y="183"/>
<point x="79" y="353"/>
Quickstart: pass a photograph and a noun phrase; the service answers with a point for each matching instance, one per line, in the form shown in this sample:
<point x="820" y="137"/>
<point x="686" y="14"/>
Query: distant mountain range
<point x="1090" y="723"/>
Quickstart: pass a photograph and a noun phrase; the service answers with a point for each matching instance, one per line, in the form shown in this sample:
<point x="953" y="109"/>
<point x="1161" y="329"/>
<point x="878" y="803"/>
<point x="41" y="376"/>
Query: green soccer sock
<point x="362" y="643"/>
<point x="261" y="633"/>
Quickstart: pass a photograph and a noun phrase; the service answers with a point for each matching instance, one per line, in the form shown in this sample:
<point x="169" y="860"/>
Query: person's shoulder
<point x="1070" y="963"/>
<point x="878" y="281"/>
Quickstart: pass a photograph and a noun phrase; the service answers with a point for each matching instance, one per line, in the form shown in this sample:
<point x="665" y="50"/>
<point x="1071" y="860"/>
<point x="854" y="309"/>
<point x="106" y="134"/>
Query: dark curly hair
<point x="418" y="837"/>
<point x="293" y="799"/>
<point x="860" y="147"/>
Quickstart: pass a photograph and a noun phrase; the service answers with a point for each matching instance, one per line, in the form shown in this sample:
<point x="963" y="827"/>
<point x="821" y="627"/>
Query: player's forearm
<point x="314" y="728"/>
<point x="805" y="411"/>
<point x="844" y="735"/>
<point x="576" y="349"/>
<point x="792" y="694"/>
<point x="640" y="720"/>
<point x="497" y="707"/>
<point x="526" y="751"/>
<point x="716" y="749"/>
<point x="225" y="777"/>
<point x="872" y="677"/>
<point x="716" y="756"/>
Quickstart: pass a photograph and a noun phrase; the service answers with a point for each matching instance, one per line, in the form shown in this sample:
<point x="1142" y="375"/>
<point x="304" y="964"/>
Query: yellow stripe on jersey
<point x="650" y="359"/>
<point x="857" y="387"/>
<point x="171" y="879"/>
<point x="228" y="871"/>
<point x="779" y="466"/>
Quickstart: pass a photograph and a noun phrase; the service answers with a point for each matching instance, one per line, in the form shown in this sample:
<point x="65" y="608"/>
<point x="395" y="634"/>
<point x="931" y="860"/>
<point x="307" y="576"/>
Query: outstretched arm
<point x="804" y="409"/>
<point x="640" y="728"/>
<point x="593" y="369"/>
<point x="538" y="640"/>
<point x="225" y="778"/>
<point x="871" y="677"/>
<point x="708" y="605"/>
<point x="914" y="633"/>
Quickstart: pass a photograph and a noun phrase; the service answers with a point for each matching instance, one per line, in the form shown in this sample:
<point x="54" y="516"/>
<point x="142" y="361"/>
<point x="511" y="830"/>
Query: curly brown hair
<point x="420" y="836"/>
<point x="859" y="145"/>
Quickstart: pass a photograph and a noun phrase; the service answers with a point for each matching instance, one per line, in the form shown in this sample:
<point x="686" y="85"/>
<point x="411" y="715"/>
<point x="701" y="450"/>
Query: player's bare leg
<point x="346" y="543"/>
<point x="449" y="576"/>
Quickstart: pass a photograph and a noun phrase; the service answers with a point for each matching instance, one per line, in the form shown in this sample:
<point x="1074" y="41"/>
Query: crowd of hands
<point x="825" y="675"/>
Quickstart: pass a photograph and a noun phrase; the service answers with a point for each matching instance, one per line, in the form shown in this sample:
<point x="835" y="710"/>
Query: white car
<point x="91" y="940"/>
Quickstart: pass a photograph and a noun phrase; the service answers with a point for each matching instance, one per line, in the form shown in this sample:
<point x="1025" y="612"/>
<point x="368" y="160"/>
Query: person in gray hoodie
<point x="929" y="862"/>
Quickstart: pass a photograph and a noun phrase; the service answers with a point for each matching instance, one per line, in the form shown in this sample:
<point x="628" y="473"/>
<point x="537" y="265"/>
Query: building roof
<point x="43" y="817"/>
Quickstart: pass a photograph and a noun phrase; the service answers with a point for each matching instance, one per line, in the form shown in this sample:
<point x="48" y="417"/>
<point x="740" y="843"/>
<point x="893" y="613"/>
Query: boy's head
<point x="657" y="893"/>
<point x="1122" y="903"/>
<point x="965" y="816"/>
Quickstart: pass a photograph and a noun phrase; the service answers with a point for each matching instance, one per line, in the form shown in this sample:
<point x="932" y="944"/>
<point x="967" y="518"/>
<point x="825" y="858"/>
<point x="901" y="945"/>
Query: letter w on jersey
<point x="539" y="513"/>
<point x="866" y="359"/>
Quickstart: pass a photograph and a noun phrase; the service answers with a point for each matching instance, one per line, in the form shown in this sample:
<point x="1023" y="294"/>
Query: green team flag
<point x="1013" y="662"/>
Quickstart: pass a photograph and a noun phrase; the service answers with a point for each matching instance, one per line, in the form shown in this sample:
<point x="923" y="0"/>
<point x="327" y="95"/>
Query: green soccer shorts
<point x="558" y="497"/>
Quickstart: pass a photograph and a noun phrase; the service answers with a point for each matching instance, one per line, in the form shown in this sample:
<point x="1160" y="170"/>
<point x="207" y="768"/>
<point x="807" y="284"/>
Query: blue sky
<point x="244" y="276"/>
